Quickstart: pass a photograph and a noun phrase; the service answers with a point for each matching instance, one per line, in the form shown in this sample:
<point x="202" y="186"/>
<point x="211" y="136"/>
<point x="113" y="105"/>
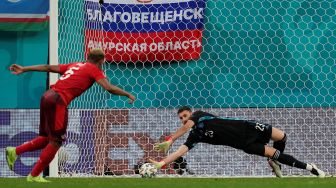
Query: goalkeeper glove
<point x="163" y="146"/>
<point x="157" y="164"/>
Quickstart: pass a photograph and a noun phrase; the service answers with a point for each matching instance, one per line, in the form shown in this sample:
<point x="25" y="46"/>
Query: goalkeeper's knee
<point x="281" y="144"/>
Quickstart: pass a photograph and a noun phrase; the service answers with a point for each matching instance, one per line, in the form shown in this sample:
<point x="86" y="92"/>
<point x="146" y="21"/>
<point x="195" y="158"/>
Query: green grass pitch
<point x="172" y="183"/>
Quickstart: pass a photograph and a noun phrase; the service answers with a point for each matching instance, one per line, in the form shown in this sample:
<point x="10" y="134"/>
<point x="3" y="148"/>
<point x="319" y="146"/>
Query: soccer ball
<point x="147" y="170"/>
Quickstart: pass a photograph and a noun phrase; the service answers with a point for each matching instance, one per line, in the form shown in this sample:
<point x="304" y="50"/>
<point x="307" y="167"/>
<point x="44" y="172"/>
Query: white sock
<point x="309" y="167"/>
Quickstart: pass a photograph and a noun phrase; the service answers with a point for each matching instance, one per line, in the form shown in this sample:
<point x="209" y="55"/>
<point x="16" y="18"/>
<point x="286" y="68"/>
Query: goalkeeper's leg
<point x="279" y="138"/>
<point x="257" y="148"/>
<point x="289" y="160"/>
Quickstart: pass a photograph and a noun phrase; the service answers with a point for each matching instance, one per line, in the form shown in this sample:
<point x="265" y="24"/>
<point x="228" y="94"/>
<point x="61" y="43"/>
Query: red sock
<point x="46" y="156"/>
<point x="32" y="145"/>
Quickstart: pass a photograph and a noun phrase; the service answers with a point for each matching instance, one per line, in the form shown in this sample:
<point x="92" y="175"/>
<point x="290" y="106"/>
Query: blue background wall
<point x="256" y="54"/>
<point x="23" y="48"/>
<point x="259" y="53"/>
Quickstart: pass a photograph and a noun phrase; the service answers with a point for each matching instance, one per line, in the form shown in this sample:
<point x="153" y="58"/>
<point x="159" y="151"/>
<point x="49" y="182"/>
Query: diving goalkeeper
<point x="250" y="136"/>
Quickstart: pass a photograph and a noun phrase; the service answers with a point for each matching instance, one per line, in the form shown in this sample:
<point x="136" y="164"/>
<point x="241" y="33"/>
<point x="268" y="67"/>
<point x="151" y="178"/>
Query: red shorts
<point x="53" y="116"/>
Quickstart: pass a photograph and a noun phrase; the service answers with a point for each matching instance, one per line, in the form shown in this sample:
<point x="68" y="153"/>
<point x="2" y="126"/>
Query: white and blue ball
<point x="147" y="170"/>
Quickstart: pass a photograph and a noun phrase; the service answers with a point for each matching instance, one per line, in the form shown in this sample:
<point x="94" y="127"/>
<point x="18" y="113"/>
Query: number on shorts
<point x="260" y="126"/>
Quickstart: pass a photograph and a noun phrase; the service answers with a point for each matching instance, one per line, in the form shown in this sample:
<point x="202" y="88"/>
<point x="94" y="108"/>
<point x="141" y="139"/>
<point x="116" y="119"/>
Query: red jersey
<point x="76" y="78"/>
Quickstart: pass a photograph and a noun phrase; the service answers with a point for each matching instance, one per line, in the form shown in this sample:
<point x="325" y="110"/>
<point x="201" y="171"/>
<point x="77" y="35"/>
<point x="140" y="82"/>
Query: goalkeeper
<point x="250" y="136"/>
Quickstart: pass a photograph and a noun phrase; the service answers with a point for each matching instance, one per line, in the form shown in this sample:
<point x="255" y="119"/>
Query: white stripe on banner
<point x="134" y="2"/>
<point x="23" y="15"/>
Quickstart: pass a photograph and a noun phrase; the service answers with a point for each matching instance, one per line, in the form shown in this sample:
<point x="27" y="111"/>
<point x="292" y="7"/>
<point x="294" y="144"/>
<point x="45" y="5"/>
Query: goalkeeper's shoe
<point x="11" y="157"/>
<point x="38" y="179"/>
<point x="316" y="171"/>
<point x="275" y="165"/>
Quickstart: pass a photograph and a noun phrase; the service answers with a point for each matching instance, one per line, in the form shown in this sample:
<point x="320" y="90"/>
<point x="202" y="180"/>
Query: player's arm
<point x="114" y="89"/>
<point x="17" y="69"/>
<point x="182" y="130"/>
<point x="183" y="149"/>
<point x="164" y="146"/>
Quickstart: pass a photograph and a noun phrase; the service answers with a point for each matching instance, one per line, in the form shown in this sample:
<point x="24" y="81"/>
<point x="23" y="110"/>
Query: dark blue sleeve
<point x="192" y="140"/>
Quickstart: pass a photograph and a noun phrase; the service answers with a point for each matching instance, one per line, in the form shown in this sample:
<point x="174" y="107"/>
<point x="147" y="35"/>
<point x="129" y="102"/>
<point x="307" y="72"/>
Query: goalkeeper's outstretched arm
<point x="164" y="146"/>
<point x="182" y="130"/>
<point x="183" y="149"/>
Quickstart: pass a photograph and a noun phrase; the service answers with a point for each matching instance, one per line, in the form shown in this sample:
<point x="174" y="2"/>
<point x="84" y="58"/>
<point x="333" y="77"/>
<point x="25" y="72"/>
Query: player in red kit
<point x="75" y="79"/>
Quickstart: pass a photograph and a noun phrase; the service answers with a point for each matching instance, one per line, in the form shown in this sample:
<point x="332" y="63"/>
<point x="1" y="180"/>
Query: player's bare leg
<point x="289" y="160"/>
<point x="279" y="138"/>
<point x="277" y="134"/>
